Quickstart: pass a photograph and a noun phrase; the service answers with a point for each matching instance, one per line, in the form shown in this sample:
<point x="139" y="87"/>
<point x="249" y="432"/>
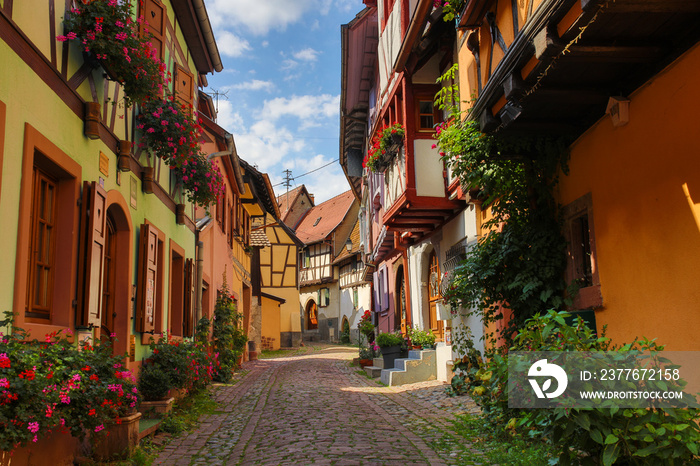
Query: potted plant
<point x="366" y="356"/>
<point x="154" y="384"/>
<point x="390" y="346"/>
<point x="384" y="147"/>
<point x="109" y="37"/>
<point x="424" y="339"/>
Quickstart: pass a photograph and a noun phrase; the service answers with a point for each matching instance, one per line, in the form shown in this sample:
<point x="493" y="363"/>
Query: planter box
<point x="156" y="408"/>
<point x="120" y="441"/>
<point x="390" y="354"/>
<point x="177" y="393"/>
<point x="56" y="449"/>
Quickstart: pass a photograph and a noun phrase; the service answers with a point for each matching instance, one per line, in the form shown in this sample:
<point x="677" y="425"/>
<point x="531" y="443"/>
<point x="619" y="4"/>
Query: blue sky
<point x="282" y="75"/>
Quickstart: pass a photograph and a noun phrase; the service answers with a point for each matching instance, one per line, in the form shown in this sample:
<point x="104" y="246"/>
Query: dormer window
<point x="317" y="220"/>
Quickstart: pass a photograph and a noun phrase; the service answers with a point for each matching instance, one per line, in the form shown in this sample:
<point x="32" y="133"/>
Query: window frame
<point x="588" y="297"/>
<point x="39" y="151"/>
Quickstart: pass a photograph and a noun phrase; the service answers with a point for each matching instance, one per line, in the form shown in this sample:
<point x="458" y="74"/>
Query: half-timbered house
<point x="618" y="79"/>
<point x="99" y="235"/>
<point x="393" y="53"/>
<point x="324" y="231"/>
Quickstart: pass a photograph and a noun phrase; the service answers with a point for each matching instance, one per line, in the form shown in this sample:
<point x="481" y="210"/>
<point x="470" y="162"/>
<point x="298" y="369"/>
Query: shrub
<point x="154" y="382"/>
<point x="345" y="334"/>
<point x="385" y="340"/>
<point x="229" y="339"/>
<point x="189" y="365"/>
<point x="597" y="435"/>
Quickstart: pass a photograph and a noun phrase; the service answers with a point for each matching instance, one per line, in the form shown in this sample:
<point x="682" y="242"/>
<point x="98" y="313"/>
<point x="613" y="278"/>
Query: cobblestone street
<point x="316" y="409"/>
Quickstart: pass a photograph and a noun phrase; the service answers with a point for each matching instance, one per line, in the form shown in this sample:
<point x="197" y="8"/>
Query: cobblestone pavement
<point x="317" y="409"/>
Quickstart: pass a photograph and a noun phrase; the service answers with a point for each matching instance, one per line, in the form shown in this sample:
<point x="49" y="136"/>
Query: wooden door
<point x="108" y="281"/>
<point x="434" y="297"/>
<point x="400" y="317"/>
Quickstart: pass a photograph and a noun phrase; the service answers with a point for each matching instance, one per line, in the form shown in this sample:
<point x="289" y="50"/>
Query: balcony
<point x="415" y="197"/>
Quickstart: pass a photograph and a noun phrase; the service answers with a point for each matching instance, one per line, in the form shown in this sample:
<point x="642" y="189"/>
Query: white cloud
<point x="255" y="85"/>
<point x="266" y="144"/>
<point x="258" y="18"/>
<point x="307" y="54"/>
<point x="312" y="110"/>
<point x="227" y="118"/>
<point x="231" y="45"/>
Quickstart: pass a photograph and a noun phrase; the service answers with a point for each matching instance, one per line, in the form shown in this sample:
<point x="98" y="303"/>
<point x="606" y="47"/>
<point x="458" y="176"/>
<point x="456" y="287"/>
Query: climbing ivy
<point x="520" y="263"/>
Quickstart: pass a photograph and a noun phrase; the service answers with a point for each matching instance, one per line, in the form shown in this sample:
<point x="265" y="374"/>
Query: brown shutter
<point x="94" y="221"/>
<point x="148" y="283"/>
<point x="188" y="317"/>
<point x="153" y="13"/>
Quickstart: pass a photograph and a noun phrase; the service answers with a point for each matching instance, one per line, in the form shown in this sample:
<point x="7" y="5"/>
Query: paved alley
<point x="316" y="409"/>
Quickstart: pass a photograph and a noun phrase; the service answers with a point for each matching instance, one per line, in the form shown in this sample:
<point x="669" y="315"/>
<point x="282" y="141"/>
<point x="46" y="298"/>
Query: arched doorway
<point x="434" y="297"/>
<point x="400" y="311"/>
<point x="116" y="306"/>
<point x="311" y="315"/>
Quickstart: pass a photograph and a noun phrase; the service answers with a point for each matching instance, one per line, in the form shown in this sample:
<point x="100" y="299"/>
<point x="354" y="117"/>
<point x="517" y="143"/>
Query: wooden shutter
<point x="153" y="13"/>
<point x="184" y="86"/>
<point x="375" y="291"/>
<point x="147" y="282"/>
<point x="94" y="221"/>
<point x="385" y="289"/>
<point x="188" y="323"/>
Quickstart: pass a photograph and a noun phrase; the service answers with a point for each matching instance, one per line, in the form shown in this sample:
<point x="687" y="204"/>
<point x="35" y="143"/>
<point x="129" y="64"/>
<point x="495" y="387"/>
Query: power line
<point x="307" y="173"/>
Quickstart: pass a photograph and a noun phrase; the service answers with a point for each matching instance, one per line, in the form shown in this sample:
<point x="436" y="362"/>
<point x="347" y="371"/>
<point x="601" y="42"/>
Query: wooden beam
<point x="547" y="43"/>
<point x="614" y="53"/>
<point x="655" y="6"/>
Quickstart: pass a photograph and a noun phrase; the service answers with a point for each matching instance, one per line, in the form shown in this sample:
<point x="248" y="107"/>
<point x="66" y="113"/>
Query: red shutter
<point x="147" y="284"/>
<point x="188" y="318"/>
<point x="94" y="220"/>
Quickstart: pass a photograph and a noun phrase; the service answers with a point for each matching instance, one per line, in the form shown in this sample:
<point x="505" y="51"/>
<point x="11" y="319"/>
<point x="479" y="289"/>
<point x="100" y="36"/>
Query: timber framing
<point x="571" y="56"/>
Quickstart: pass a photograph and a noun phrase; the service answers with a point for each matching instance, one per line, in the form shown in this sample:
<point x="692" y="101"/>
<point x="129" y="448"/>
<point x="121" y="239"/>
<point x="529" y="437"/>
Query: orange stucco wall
<point x="645" y="183"/>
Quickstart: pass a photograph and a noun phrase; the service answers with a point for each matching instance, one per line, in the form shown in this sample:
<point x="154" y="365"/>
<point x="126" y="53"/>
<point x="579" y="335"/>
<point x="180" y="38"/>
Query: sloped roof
<point x="355" y="239"/>
<point x="321" y="220"/>
<point x="286" y="201"/>
<point x="258" y="238"/>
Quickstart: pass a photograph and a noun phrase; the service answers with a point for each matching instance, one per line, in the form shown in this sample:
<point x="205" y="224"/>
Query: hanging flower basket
<point x="170" y="132"/>
<point x="386" y="143"/>
<point x="109" y="37"/>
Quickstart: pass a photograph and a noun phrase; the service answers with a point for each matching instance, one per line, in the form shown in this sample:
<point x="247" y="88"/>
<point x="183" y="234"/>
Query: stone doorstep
<point x="378" y="362"/>
<point x="373" y="371"/>
<point x="407" y="370"/>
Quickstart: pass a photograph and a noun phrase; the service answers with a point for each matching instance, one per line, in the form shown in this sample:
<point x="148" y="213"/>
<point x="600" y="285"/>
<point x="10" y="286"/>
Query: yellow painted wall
<point x="645" y="183"/>
<point x="271" y="321"/>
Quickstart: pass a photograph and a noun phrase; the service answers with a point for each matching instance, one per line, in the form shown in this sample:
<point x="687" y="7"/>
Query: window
<point x="43" y="245"/>
<point x="581" y="252"/>
<point x="426" y="117"/>
<point x="45" y="274"/>
<point x="324" y="297"/>
<point x="307" y="258"/>
<point x="177" y="289"/>
<point x="355" y="298"/>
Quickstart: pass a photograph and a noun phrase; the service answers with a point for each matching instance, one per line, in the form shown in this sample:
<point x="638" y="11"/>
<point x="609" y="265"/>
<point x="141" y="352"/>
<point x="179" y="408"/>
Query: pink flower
<point x="121" y="36"/>
<point x="33" y="427"/>
<point x="150" y="130"/>
<point x="164" y="122"/>
<point x="61" y="38"/>
<point x="99" y="428"/>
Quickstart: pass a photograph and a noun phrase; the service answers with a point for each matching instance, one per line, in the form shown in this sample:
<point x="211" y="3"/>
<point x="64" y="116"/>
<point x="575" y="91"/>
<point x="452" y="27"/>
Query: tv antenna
<point x="216" y="93"/>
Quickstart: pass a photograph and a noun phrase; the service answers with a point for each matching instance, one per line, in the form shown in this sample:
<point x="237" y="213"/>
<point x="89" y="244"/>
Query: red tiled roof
<point x="322" y="219"/>
<point x="286" y="200"/>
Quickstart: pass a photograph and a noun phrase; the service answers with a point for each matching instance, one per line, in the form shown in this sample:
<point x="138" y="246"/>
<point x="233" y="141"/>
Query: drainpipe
<point x="200" y="278"/>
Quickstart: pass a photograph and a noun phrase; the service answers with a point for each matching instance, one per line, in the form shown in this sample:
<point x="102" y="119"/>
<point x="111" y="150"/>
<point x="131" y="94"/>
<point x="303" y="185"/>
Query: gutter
<point x="208" y="34"/>
<point x="420" y="17"/>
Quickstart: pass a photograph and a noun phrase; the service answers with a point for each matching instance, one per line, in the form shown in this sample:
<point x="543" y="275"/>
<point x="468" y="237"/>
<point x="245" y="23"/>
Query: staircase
<point x="418" y="367"/>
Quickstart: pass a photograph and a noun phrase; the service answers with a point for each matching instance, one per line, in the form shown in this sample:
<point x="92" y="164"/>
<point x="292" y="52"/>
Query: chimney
<point x="311" y="197"/>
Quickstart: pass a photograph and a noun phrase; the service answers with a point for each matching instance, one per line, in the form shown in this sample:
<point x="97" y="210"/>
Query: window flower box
<point x="386" y="143"/>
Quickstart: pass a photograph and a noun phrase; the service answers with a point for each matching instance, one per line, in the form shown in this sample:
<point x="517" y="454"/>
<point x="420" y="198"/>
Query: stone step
<point x="373" y="371"/>
<point x="418" y="367"/>
<point x="378" y="362"/>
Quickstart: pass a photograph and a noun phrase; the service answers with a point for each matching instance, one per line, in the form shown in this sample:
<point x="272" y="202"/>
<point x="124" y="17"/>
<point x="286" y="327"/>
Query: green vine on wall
<point x="520" y="263"/>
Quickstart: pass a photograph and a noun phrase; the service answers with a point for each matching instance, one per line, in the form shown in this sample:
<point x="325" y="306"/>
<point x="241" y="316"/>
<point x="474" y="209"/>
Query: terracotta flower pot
<point x="121" y="438"/>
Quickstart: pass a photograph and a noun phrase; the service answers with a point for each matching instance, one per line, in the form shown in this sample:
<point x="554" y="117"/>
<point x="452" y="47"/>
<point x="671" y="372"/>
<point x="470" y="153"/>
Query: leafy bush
<point x="345" y="333"/>
<point x="189" y="365"/>
<point x="229" y="338"/>
<point x="384" y="340"/>
<point x="154" y="382"/>
<point x="594" y="435"/>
